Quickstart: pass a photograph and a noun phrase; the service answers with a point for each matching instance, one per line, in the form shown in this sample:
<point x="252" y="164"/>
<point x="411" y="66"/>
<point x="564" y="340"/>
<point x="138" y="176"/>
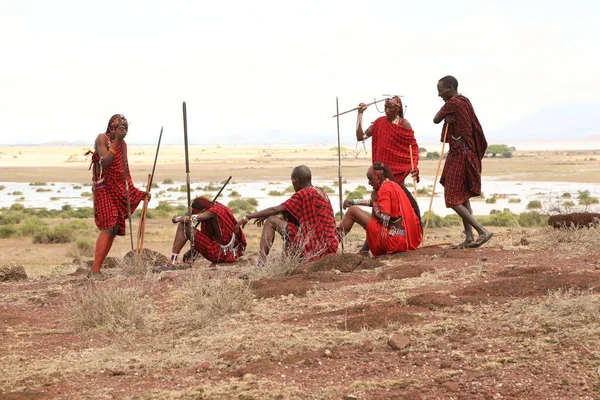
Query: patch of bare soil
<point x="501" y="321"/>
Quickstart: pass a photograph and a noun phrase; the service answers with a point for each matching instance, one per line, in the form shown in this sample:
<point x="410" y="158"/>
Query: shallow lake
<point x="53" y="195"/>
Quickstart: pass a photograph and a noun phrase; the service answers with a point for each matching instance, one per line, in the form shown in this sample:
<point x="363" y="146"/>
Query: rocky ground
<point x="517" y="318"/>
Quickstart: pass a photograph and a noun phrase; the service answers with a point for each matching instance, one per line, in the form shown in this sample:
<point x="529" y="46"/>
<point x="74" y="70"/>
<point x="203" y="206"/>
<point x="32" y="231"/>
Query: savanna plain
<point x="517" y="318"/>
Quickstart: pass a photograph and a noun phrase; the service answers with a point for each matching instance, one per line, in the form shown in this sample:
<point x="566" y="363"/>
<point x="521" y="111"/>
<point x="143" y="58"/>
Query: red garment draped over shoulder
<point x="110" y="194"/>
<point x="461" y="176"/>
<point x="391" y="145"/>
<point x="393" y="201"/>
<point x="311" y="223"/>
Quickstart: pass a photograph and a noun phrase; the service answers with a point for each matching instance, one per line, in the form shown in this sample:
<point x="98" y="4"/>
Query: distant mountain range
<point x="574" y="121"/>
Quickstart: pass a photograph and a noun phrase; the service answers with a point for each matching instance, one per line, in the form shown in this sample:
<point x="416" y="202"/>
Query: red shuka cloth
<point x="461" y="176"/>
<point x="311" y="223"/>
<point x="393" y="201"/>
<point x="391" y="144"/>
<point x="210" y="249"/>
<point x="110" y="194"/>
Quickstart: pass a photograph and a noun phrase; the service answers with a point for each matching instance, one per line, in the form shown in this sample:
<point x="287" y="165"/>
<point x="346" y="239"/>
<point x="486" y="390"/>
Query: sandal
<point x="463" y="245"/>
<point x="481" y="241"/>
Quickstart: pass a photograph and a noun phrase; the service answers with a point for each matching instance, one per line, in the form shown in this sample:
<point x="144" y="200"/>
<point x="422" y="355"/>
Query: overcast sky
<point x="249" y="67"/>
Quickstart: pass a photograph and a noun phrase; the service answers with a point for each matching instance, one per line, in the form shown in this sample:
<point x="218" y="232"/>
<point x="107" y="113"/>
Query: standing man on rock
<point x="461" y="176"/>
<point x="110" y="169"/>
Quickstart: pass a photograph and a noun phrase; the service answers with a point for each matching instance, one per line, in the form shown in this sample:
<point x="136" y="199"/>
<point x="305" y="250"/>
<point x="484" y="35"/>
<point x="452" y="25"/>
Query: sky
<point x="264" y="70"/>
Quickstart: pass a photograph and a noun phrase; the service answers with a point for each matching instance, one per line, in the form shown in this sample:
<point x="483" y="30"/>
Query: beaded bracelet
<point x="112" y="151"/>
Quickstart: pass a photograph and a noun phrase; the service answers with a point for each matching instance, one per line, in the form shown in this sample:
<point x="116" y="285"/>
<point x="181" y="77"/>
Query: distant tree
<point x="432" y="155"/>
<point x="503" y="149"/>
<point x="422" y="150"/>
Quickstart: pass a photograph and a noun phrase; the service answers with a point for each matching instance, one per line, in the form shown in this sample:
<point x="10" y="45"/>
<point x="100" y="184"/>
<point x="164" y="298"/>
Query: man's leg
<point x="178" y="243"/>
<point x="103" y="245"/>
<point x="271" y="225"/>
<point x="354" y="215"/>
<point x="469" y="220"/>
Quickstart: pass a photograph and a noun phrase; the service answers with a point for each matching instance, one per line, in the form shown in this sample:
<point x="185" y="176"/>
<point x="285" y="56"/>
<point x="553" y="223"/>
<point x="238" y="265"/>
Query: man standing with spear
<point x="115" y="196"/>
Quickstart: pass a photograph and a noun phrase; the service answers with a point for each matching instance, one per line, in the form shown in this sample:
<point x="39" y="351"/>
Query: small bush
<point x="167" y="181"/>
<point x="10" y="218"/>
<point x="243" y="206"/>
<point x="7" y="231"/>
<point x="568" y="204"/>
<point x="85" y="247"/>
<point x="514" y="200"/>
<point x="17" y="207"/>
<point x="532" y="218"/>
<point x="275" y="193"/>
<point x="327" y="189"/>
<point x="77" y="187"/>
<point x="436" y="221"/>
<point x="204" y="301"/>
<point x="32" y="227"/>
<point x="354" y="195"/>
<point x="17" y="193"/>
<point x="37" y="183"/>
<point x="234" y="193"/>
<point x="432" y="155"/>
<point x="490" y="200"/>
<point x="423" y="191"/>
<point x="86" y="194"/>
<point x="534" y="205"/>
<point x="111" y="309"/>
<point x="42" y="190"/>
<point x="566" y="195"/>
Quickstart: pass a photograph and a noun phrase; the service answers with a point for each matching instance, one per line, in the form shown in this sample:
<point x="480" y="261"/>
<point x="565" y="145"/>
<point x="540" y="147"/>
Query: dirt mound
<point x="12" y="272"/>
<point x="148" y="257"/>
<point x="527" y="286"/>
<point x="431" y="300"/>
<point x="376" y="316"/>
<point x="514" y="270"/>
<point x="280" y="286"/>
<point x="404" y="271"/>
<point x="340" y="262"/>
<point x="577" y="220"/>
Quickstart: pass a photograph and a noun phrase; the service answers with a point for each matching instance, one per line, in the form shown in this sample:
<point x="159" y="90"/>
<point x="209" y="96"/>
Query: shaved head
<point x="302" y="174"/>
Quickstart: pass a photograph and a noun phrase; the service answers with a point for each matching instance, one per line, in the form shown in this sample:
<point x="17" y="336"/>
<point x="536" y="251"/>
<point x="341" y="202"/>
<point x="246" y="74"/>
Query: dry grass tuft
<point x="569" y="241"/>
<point x="206" y="300"/>
<point x="112" y="309"/>
<point x="575" y="306"/>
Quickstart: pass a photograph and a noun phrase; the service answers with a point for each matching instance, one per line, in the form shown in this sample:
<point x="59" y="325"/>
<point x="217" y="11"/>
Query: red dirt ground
<point x="466" y="362"/>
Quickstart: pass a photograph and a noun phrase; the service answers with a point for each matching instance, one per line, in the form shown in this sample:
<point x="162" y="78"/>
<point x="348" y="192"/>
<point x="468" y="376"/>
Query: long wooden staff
<point x="188" y="226"/>
<point x="125" y="168"/>
<point x="412" y="167"/>
<point x="435" y="180"/>
<point x="337" y="111"/>
<point x="142" y="225"/>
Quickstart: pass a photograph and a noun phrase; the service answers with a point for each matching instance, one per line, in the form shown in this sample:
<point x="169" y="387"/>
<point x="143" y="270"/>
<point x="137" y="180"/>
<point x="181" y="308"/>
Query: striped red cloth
<point x="391" y="144"/>
<point x="220" y="252"/>
<point x="110" y="195"/>
<point x="311" y="223"/>
<point x="461" y="176"/>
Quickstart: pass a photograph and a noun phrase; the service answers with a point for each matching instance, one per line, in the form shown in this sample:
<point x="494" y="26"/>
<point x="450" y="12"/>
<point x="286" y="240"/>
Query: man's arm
<point x="446" y="112"/>
<point x="259" y="216"/>
<point x="360" y="134"/>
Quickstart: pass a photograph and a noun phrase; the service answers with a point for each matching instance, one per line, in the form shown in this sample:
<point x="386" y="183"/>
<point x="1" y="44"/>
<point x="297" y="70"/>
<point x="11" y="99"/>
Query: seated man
<point x="308" y="223"/>
<point x="395" y="223"/>
<point x="215" y="240"/>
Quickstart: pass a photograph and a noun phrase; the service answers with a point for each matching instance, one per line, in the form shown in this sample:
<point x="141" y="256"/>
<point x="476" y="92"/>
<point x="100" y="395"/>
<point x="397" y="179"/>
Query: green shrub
<point x="37" y="183"/>
<point x="327" y="189"/>
<point x="436" y="221"/>
<point x="275" y="193"/>
<point x="514" y="200"/>
<point x="432" y="155"/>
<point x="534" y="205"/>
<point x="453" y="220"/>
<point x="424" y="191"/>
<point x="354" y="195"/>
<point x="17" y="207"/>
<point x="234" y="193"/>
<point x="566" y="195"/>
<point x="86" y="194"/>
<point x="17" y="193"/>
<point x="490" y="200"/>
<point x="31" y="227"/>
<point x="211" y="187"/>
<point x="2" y="187"/>
<point x="7" y="231"/>
<point x="532" y="218"/>
<point x="85" y="247"/>
<point x="41" y="190"/>
<point x="568" y="204"/>
<point x="588" y="201"/>
<point x="239" y="206"/>
<point x="10" y="218"/>
<point x="77" y="187"/>
<point x="501" y="218"/>
<point x="62" y="233"/>
<point x="167" y="181"/>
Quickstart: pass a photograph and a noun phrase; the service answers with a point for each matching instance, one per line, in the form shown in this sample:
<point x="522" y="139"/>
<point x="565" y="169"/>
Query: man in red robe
<point x="461" y="176"/>
<point x="393" y="140"/>
<point x="395" y="224"/>
<point x="308" y="223"/>
<point x="110" y="169"/>
<point x="216" y="240"/>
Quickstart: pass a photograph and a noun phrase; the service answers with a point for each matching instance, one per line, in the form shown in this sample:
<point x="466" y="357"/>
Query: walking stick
<point x="355" y="108"/>
<point x="188" y="226"/>
<point x="337" y="110"/>
<point x="412" y="167"/>
<point x="125" y="168"/>
<point x="142" y="225"/>
<point x="435" y="180"/>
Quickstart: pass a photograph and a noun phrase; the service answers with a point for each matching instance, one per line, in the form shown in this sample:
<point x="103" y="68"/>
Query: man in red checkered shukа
<point x="393" y="140"/>
<point x="110" y="169"/>
<point x="308" y="223"/>
<point x="216" y="240"/>
<point x="461" y="176"/>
